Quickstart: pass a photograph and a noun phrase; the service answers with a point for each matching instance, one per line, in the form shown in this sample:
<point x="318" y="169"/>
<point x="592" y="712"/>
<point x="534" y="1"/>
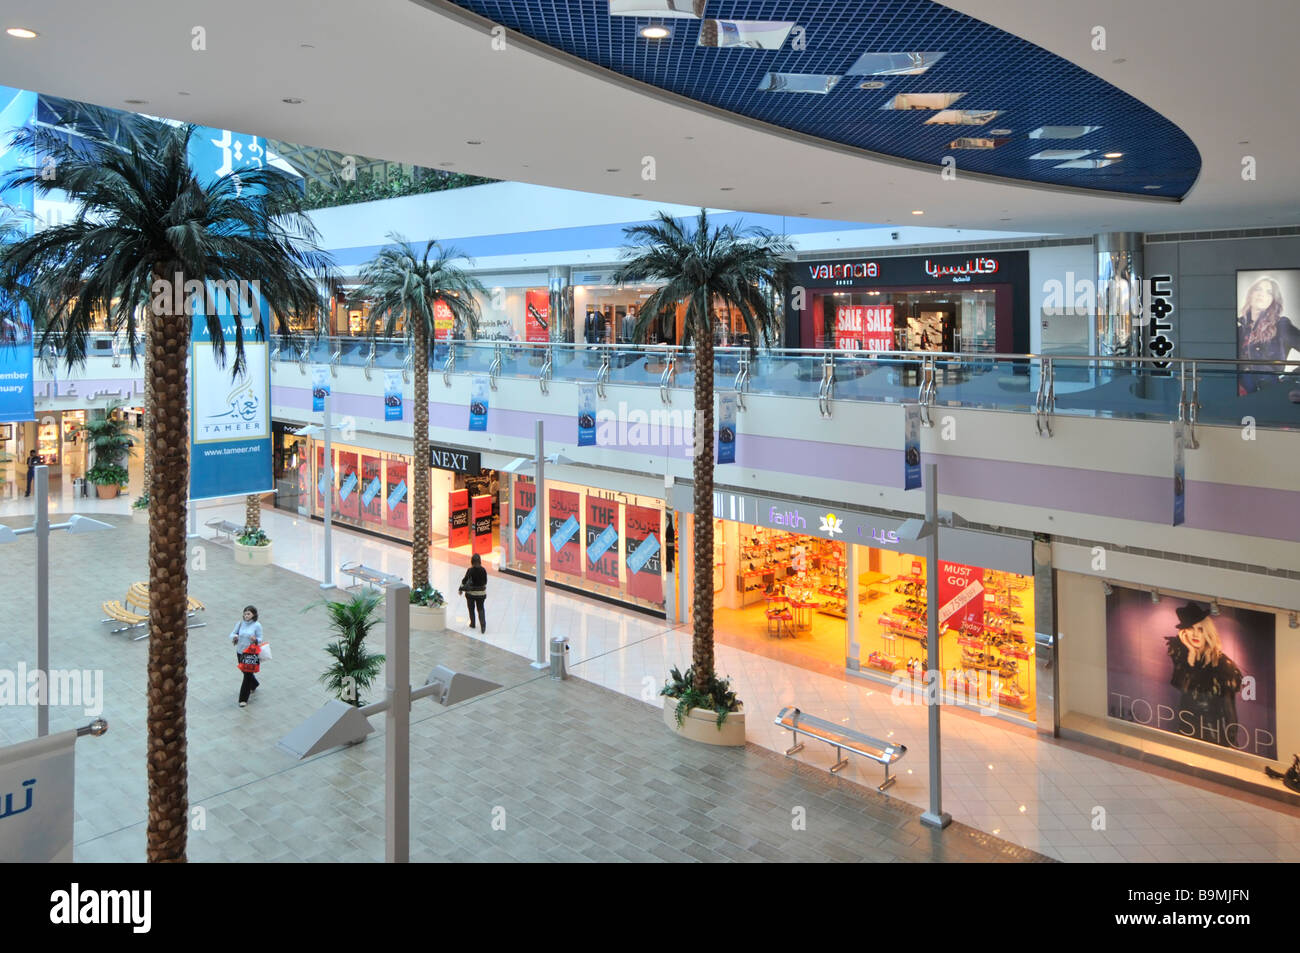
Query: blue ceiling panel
<point x="1028" y="86"/>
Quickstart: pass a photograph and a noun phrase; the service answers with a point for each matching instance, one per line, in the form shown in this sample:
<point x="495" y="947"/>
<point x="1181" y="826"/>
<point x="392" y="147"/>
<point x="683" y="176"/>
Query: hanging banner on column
<point x="349" y="498"/>
<point x="458" y="518"/>
<point x="481" y="514"/>
<point x="911" y="446"/>
<point x="564" y="532"/>
<point x="372" y="501"/>
<point x="727" y="428"/>
<point x="1180" y="482"/>
<point x="525" y="521"/>
<point x="537" y="315"/>
<point x="320" y="386"/>
<point x="644" y="552"/>
<point x="602" y="540"/>
<point x="37" y="781"/>
<point x="586" y="415"/>
<point x="478" y="402"/>
<point x="961" y="595"/>
<point x="397" y="491"/>
<point x="392" y="395"/>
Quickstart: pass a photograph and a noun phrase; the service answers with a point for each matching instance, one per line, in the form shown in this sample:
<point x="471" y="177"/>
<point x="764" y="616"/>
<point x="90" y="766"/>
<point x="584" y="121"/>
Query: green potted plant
<point x="714" y="716"/>
<point x="140" y="508"/>
<point x="111" y="446"/>
<point x="428" y="610"/>
<point x="252" y="548"/>
<point x="355" y="667"/>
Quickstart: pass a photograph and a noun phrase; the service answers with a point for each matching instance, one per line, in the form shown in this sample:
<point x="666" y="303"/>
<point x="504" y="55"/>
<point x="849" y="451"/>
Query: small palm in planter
<point x="703" y="715"/>
<point x="428" y="610"/>
<point x="108" y="440"/>
<point x="253" y="547"/>
<point x="355" y="666"/>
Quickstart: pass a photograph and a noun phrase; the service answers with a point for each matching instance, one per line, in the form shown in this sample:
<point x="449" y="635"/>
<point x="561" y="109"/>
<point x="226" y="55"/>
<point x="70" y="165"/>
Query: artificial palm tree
<point x="355" y="667"/>
<point x="144" y="220"/>
<point x="403" y="283"/>
<point x="734" y="265"/>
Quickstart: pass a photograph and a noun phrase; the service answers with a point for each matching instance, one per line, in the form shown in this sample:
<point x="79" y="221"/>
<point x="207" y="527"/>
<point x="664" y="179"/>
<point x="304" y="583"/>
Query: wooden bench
<point x="136" y="610"/>
<point x="225" y="528"/>
<point x="365" y="575"/>
<point x="117" y="612"/>
<point x="839" y="737"/>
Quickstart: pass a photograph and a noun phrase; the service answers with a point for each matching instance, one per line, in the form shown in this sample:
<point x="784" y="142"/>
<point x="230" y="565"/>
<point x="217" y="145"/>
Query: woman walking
<point x="474" y="586"/>
<point x="247" y="640"/>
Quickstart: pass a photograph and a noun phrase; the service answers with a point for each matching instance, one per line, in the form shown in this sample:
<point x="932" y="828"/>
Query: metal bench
<point x="365" y="575"/>
<point x="225" y="528"/>
<point x="839" y="737"/>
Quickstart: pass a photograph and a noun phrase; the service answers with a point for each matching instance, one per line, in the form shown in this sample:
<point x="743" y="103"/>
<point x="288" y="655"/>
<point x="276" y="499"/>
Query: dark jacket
<point x="1209" y="692"/>
<point x="475" y="581"/>
<point x="1275" y="348"/>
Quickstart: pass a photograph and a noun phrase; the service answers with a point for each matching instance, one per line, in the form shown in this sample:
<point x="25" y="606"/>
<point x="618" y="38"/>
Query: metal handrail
<point x="742" y="381"/>
<point x="668" y="378"/>
<point x="407" y="363"/>
<point x="494" y="369"/>
<point x="826" y="390"/>
<point x="602" y="375"/>
<point x="336" y="359"/>
<point x="450" y="364"/>
<point x="1045" y="399"/>
<point x="370" y="359"/>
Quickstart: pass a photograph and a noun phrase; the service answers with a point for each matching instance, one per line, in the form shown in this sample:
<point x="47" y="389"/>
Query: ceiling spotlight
<point x="611" y="170"/>
<point x="22" y="33"/>
<point x="727" y="188"/>
<point x="656" y="32"/>
<point x="1149" y="187"/>
<point x="1155" y="595"/>
<point x="1113" y="155"/>
<point x="1107" y="588"/>
<point x="1214" y="608"/>
<point x="871" y="84"/>
<point x="473" y="142"/>
<point x="917" y="211"/>
<point x="135" y="102"/>
<point x="999" y="132"/>
<point x="1294" y="620"/>
<point x="291" y="100"/>
<point x="824" y="203"/>
<point x="181" y="93"/>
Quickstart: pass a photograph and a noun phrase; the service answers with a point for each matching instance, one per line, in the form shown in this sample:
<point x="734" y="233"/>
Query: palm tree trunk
<point x="253" y="511"/>
<point x="702" y="466"/>
<point x="420" y="459"/>
<point x="169" y="341"/>
<point x="146" y="486"/>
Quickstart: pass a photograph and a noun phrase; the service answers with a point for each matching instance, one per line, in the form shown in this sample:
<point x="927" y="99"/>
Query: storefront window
<point x="906" y="320"/>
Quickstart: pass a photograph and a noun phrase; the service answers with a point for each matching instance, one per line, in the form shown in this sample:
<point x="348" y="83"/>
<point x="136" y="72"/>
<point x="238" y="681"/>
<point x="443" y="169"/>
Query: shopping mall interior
<point x="976" y="402"/>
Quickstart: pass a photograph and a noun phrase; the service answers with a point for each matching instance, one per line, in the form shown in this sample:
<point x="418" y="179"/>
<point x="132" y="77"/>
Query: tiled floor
<point x="1052" y="798"/>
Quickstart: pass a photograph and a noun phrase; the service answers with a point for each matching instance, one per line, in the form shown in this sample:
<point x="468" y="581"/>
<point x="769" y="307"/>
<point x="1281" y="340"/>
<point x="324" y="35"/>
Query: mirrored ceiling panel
<point x="893" y="64"/>
<point x="1061" y="154"/>
<point x="1062" y="132"/>
<point x="798" y="83"/>
<point x="1086" y="164"/>
<point x="975" y="143"/>
<point x="922" y="100"/>
<point x="693" y="9"/>
<point x="745" y="34"/>
<point x="962" y="117"/>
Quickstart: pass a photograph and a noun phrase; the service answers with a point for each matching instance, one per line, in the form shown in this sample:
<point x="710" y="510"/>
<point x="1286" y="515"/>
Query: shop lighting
<point x="1113" y="155"/>
<point x="917" y="211"/>
<point x="656" y="32"/>
<point x="1107" y="588"/>
<point x="1155" y="595"/>
<point x="1214" y="608"/>
<point x="1294" y="620"/>
<point x="22" y="33"/>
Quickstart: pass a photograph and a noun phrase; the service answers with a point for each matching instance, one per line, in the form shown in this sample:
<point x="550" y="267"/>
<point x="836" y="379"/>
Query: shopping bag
<point x="265" y="654"/>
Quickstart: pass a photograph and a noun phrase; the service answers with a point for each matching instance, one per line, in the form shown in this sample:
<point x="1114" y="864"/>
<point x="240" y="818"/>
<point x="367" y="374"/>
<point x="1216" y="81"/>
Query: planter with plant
<point x="355" y="667"/>
<point x="253" y="548"/>
<point x="140" y="509"/>
<point x="109" y="478"/>
<point x="111" y="446"/>
<point x="714" y="716"/>
<point x="428" y="610"/>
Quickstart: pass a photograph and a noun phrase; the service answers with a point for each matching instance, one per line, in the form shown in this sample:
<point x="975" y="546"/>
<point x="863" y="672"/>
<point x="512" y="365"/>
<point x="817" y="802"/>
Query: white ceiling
<point x="398" y="80"/>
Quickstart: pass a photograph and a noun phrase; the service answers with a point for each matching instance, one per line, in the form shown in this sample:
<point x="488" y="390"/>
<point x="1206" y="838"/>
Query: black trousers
<point x="31" y="475"/>
<point x="472" y="602"/>
<point x="246" y="689"/>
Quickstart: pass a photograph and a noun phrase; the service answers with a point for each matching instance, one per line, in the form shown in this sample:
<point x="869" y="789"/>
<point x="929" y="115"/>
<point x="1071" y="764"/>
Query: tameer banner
<point x="481" y="523"/>
<point x="537" y="320"/>
<point x="1174" y="666"/>
<point x="17" y="386"/>
<point x="458" y="518"/>
<point x="320" y="386"/>
<point x="397" y="490"/>
<point x="478" y="402"/>
<point x="644" y="553"/>
<point x="911" y="446"/>
<point x="372" y="490"/>
<point x="392" y="395"/>
<point x="727" y="428"/>
<point x="602" y="540"/>
<point x="37" y="781"/>
<point x="349" y="481"/>
<point x="961" y="595"/>
<point x="1180" y="472"/>
<point x="586" y="415"/>
<point x="525" y="521"/>
<point x="566" y="552"/>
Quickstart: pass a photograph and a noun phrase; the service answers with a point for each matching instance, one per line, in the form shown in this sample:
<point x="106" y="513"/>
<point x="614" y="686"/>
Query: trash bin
<point x="559" y="657"/>
<point x="79" y="486"/>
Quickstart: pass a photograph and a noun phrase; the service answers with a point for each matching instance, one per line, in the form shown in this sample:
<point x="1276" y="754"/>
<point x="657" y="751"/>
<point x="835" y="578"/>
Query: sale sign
<point x="961" y="595"/>
<point x="566" y="555"/>
<point x="372" y="501"/>
<point x="537" y="315"/>
<point x="348" y="480"/>
<point x="323" y="480"/>
<point x="443" y="320"/>
<point x="524" y="518"/>
<point x="481" y="526"/>
<point x="861" y="327"/>
<point x="644" y="552"/>
<point x="458" y="518"/>
<point x="396" y="493"/>
<point x="602" y="540"/>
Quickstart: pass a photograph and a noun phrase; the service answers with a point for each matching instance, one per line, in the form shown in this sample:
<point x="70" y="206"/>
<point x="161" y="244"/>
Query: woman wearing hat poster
<point x="1208" y="681"/>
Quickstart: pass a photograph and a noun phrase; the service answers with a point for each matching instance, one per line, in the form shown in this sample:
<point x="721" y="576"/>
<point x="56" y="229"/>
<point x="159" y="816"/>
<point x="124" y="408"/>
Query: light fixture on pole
<point x="41" y="528"/>
<point x="327" y="493"/>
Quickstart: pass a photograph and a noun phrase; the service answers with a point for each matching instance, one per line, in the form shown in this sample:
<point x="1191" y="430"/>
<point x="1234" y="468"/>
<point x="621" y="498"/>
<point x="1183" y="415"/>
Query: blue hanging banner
<point x="727" y="428"/>
<point x="320" y="386"/>
<point x="371" y="491"/>
<point x="586" y="415"/>
<point x="392" y="395"/>
<point x="643" y="553"/>
<point x="398" y="494"/>
<point x="911" y="446"/>
<point x="17" y="390"/>
<point x="1180" y="481"/>
<point x="564" y="533"/>
<point x="478" y="402"/>
<point x="527" y="527"/>
<point x="348" y="486"/>
<point x="607" y="538"/>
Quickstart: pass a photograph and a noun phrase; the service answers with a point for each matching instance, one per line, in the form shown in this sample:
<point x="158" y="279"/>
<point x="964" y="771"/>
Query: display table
<point x="803" y="614"/>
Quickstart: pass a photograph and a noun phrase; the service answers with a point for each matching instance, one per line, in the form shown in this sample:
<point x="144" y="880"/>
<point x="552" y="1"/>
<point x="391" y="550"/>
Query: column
<point x="559" y="280"/>
<point x="1118" y="328"/>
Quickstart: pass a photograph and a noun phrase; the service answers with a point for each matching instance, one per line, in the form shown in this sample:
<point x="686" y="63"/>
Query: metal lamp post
<point x="41" y="528"/>
<point x="312" y="430"/>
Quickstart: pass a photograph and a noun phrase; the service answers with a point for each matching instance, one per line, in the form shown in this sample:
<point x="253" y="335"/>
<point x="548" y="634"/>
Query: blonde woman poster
<point x="1264" y="331"/>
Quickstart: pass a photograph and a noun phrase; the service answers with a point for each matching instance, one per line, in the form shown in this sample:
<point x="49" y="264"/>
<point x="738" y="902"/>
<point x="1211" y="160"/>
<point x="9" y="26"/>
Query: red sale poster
<point x="644" y="550"/>
<point x="864" y="327"/>
<point x="565" y="530"/>
<point x="525" y="497"/>
<point x="602" y="541"/>
<point x="961" y="595"/>
<point x="458" y="518"/>
<point x="398" y="495"/>
<point x="537" y="315"/>
<point x="349" y="495"/>
<point x="371" y="490"/>
<point x="443" y="321"/>
<point x="481" y="523"/>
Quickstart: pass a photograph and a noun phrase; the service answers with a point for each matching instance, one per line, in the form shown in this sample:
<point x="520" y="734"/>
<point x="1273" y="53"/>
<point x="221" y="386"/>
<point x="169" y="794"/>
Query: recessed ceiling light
<point x="473" y="142"/>
<point x="636" y="195"/>
<point x="825" y="202"/>
<point x="872" y="84"/>
<point x="22" y="33"/>
<point x="135" y="102"/>
<point x="1086" y="164"/>
<point x="1150" y="186"/>
<point x="1113" y="155"/>
<point x="656" y="32"/>
<point x="611" y="170"/>
<point x="727" y="188"/>
<point x="447" y="163"/>
<point x="1119" y="59"/>
<point x="689" y="137"/>
<point x="181" y="93"/>
<point x="1004" y="220"/>
<point x="306" y="46"/>
<point x="292" y="100"/>
<point x="999" y="132"/>
<point x="1243" y="142"/>
<point x="917" y="211"/>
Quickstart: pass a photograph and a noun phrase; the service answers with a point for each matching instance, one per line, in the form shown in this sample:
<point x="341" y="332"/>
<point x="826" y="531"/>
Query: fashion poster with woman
<point x="1266" y="328"/>
<point x="1174" y="666"/>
